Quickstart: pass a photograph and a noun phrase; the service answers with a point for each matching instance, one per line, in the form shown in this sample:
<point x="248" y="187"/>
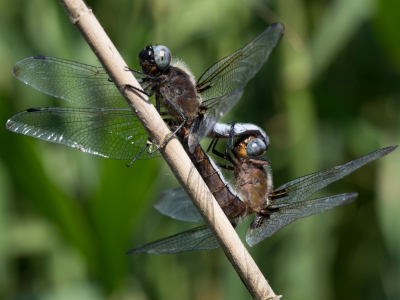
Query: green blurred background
<point x="329" y="93"/>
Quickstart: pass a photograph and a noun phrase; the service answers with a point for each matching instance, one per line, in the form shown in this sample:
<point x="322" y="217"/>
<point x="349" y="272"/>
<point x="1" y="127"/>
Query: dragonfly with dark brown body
<point x="108" y="127"/>
<point x="273" y="208"/>
<point x="199" y="105"/>
<point x="177" y="91"/>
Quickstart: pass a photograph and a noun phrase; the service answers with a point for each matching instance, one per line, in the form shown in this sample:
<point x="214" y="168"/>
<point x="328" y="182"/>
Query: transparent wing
<point x="113" y="133"/>
<point x="235" y="70"/>
<point x="69" y="80"/>
<point x="176" y="204"/>
<point x="301" y="188"/>
<point x="287" y="214"/>
<point x="200" y="238"/>
<point x="215" y="109"/>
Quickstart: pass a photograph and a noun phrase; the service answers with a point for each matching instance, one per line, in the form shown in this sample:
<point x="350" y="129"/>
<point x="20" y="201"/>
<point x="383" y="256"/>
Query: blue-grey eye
<point x="162" y="57"/>
<point x="256" y="147"/>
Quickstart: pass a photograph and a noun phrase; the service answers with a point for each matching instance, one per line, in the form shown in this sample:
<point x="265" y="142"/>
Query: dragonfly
<point x="273" y="209"/>
<point x="231" y="202"/>
<point x="187" y="101"/>
<point x="106" y="126"/>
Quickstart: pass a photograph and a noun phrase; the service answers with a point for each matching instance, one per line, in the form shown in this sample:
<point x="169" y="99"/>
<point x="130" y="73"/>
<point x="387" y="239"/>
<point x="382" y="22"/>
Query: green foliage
<point x="329" y="93"/>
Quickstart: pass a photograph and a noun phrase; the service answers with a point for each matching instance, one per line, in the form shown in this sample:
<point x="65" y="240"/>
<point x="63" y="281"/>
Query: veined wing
<point x="301" y="188"/>
<point x="114" y="133"/>
<point x="235" y="70"/>
<point x="72" y="81"/>
<point x="292" y="212"/>
<point x="175" y="203"/>
<point x="214" y="109"/>
<point x="199" y="238"/>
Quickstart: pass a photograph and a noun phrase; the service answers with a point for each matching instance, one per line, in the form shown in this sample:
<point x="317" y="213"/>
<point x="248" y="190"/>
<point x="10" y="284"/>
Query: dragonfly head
<point x="154" y="60"/>
<point x="250" y="146"/>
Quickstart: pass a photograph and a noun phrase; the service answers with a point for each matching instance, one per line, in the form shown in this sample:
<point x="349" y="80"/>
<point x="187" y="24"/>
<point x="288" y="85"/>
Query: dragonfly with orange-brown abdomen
<point x="273" y="208"/>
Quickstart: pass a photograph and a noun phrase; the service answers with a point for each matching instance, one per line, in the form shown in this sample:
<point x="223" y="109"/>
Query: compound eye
<point x="162" y="57"/>
<point x="256" y="147"/>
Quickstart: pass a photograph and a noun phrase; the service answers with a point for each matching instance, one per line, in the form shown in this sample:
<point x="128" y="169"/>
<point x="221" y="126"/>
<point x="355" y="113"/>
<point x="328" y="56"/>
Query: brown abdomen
<point x="230" y="203"/>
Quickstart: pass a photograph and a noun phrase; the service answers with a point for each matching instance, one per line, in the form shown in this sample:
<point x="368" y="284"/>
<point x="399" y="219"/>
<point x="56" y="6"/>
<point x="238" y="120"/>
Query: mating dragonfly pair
<point x="108" y="127"/>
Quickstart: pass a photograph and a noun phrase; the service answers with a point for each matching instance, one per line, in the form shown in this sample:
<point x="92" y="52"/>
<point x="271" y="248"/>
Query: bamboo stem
<point x="173" y="153"/>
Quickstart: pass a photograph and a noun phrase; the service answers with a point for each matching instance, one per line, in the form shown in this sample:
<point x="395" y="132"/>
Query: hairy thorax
<point x="254" y="185"/>
<point x="178" y="88"/>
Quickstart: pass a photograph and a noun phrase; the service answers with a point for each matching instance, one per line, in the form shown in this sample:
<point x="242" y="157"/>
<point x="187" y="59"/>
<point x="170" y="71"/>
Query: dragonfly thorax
<point x="254" y="184"/>
<point x="177" y="90"/>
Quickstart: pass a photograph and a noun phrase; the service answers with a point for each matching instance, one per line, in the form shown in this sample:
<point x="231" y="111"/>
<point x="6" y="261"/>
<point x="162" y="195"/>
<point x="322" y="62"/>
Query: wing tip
<point x="390" y="149"/>
<point x="279" y="26"/>
<point x="348" y="198"/>
<point x="10" y="124"/>
<point x="17" y="68"/>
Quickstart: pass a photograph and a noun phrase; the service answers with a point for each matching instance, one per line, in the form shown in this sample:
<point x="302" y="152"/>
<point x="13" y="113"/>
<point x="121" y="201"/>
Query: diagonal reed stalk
<point x="180" y="164"/>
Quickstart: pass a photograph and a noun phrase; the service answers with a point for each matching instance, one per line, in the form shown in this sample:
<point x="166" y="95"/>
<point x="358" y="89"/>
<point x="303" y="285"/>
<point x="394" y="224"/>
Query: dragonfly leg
<point x="224" y="166"/>
<point x="166" y="140"/>
<point x="148" y="143"/>
<point x="211" y="146"/>
<point x="140" y="90"/>
<point x="225" y="156"/>
<point x="146" y="76"/>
